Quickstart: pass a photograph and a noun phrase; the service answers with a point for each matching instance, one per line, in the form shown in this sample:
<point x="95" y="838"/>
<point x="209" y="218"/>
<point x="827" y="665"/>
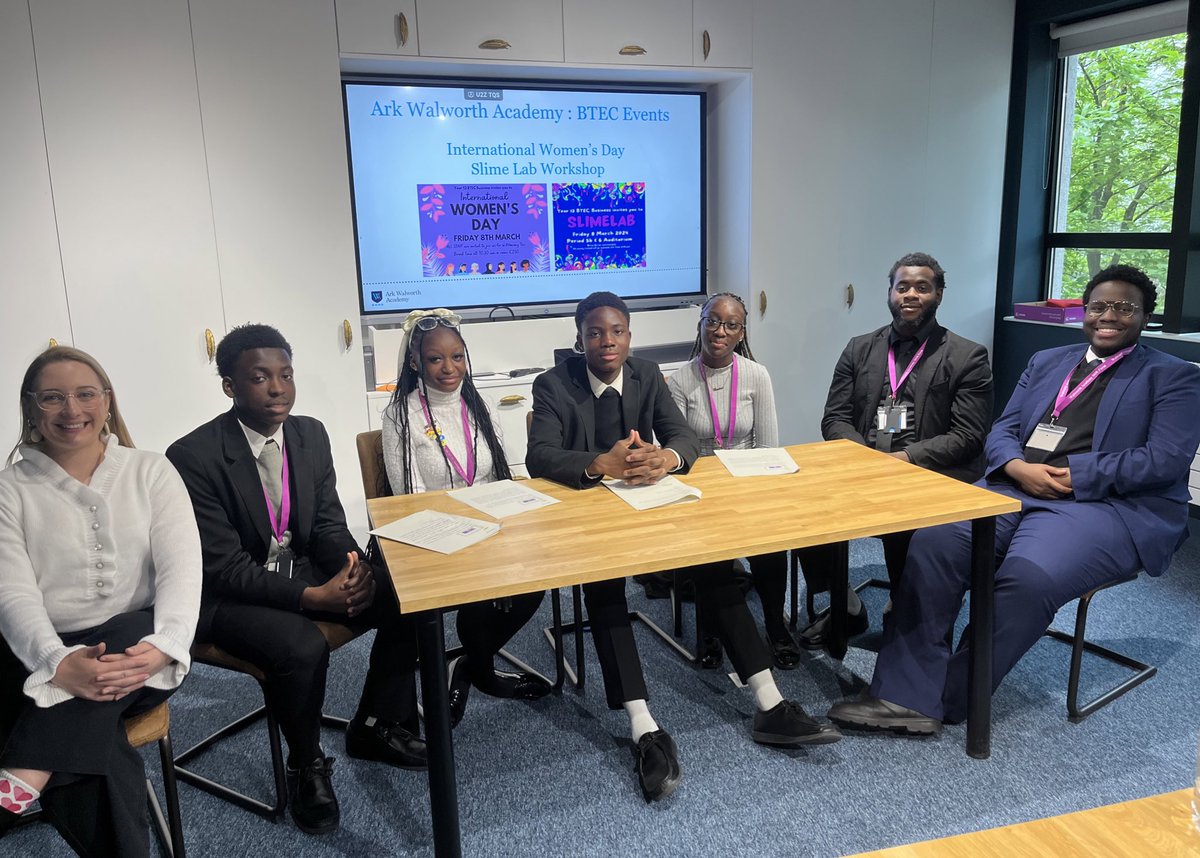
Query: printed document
<point x="757" y="462"/>
<point x="666" y="491"/>
<point x="502" y="499"/>
<point x="438" y="531"/>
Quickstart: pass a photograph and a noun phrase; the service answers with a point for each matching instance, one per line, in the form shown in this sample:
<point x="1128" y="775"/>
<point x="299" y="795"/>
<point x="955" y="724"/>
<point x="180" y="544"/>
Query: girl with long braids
<point x="727" y="398"/>
<point x="439" y="434"/>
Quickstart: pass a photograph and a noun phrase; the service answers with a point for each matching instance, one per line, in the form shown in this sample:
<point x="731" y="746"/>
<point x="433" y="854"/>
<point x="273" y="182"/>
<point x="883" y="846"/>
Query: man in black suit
<point x="912" y="389"/>
<point x="277" y="556"/>
<point x="593" y="417"/>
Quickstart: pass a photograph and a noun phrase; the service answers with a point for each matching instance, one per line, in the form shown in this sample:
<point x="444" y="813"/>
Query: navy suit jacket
<point x="222" y="478"/>
<point x="1147" y="430"/>
<point x="562" y="435"/>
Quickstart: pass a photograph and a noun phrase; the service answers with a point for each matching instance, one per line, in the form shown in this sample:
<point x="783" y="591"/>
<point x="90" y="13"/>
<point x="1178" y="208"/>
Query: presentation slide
<point x="472" y="196"/>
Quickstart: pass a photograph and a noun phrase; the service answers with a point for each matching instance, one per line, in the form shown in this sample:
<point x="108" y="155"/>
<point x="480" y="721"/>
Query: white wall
<point x="878" y="130"/>
<point x="868" y="129"/>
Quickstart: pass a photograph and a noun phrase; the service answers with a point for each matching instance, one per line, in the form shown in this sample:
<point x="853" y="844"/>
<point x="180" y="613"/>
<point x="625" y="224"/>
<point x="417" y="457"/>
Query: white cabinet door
<point x="510" y="402"/>
<point x="377" y="27"/>
<point x="275" y="139"/>
<point x="628" y="32"/>
<point x="723" y="33"/>
<point x="34" y="301"/>
<point x="124" y="145"/>
<point x="501" y="30"/>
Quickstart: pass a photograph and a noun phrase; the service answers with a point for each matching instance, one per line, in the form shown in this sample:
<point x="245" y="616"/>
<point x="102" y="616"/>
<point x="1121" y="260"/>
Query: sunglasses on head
<point x="428" y="323"/>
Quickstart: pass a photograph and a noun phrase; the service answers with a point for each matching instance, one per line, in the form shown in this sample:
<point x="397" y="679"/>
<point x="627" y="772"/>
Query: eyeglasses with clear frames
<point x="730" y="327"/>
<point x="56" y="400"/>
<point x="1121" y="308"/>
<point x="428" y="323"/>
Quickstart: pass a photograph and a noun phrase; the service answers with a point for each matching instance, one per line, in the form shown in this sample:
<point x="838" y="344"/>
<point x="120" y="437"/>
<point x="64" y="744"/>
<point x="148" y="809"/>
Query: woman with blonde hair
<point x="98" y="605"/>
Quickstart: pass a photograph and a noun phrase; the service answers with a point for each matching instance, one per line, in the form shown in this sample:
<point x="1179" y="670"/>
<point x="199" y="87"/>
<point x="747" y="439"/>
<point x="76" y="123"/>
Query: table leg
<point x="839" y="583"/>
<point x="979" y="671"/>
<point x="443" y="793"/>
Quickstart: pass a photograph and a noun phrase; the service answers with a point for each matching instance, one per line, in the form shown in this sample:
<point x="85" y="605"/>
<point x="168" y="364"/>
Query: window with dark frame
<point x="1116" y="135"/>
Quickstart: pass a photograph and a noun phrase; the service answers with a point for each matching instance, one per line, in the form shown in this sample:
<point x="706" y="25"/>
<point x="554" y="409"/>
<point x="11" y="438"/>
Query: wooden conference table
<point x="1159" y="826"/>
<point x="842" y="491"/>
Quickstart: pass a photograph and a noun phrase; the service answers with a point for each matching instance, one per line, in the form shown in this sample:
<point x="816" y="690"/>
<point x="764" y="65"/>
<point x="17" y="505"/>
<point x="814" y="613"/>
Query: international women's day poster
<point x="509" y="229"/>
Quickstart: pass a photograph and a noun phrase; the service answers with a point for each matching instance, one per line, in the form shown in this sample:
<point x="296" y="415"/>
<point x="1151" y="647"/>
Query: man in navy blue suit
<point x="1096" y="443"/>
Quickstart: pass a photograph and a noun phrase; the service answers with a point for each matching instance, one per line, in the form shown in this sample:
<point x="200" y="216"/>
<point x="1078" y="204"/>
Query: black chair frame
<point x="1080" y="644"/>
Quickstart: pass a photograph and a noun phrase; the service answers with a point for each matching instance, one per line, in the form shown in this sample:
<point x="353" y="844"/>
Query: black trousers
<point x="294" y="657"/>
<point x="96" y="798"/>
<point x="717" y="594"/>
<point x="817" y="560"/>
<point x="769" y="572"/>
<point x="484" y="629"/>
<point x="721" y="609"/>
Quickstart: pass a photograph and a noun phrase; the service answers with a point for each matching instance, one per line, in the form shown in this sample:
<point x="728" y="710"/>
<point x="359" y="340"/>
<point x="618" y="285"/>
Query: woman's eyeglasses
<point x="730" y="327"/>
<point x="56" y="400"/>
<point x="1121" y="308"/>
<point x="428" y="323"/>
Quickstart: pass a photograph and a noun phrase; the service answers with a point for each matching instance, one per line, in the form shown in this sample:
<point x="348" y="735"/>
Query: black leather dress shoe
<point x="518" y="685"/>
<point x="816" y="636"/>
<point x="311" y="800"/>
<point x="788" y="724"/>
<point x="784" y="651"/>
<point x="460" y="690"/>
<point x="385" y="742"/>
<point x="658" y="767"/>
<point x="713" y="655"/>
<point x="871" y="713"/>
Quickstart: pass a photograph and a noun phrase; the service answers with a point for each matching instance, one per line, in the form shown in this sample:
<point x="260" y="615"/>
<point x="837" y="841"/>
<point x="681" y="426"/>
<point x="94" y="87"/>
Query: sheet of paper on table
<point x="758" y="462"/>
<point x="665" y="491"/>
<point x="502" y="499"/>
<point x="438" y="531"/>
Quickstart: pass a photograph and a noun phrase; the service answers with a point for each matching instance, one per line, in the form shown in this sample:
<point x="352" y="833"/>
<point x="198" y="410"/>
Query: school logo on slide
<point x="376" y="297"/>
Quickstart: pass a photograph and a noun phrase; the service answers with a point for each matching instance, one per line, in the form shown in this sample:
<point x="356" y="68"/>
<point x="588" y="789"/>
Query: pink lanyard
<point x="896" y="385"/>
<point x="1066" y="397"/>
<point x="441" y="438"/>
<point x="712" y="404"/>
<point x="279" y="525"/>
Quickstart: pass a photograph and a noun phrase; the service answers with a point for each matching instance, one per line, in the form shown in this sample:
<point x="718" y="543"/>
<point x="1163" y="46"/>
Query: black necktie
<point x="610" y="427"/>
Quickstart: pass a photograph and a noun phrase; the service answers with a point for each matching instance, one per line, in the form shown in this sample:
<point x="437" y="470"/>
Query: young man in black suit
<point x="592" y="418"/>
<point x="937" y="416"/>
<point x="277" y="556"/>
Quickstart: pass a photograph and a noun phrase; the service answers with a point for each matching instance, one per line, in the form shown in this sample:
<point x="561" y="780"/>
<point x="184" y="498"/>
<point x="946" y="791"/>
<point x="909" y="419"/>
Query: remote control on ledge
<point x="517" y="373"/>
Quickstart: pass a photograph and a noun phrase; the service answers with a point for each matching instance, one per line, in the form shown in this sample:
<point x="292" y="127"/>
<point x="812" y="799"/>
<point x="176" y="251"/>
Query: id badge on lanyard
<point x="1047" y="437"/>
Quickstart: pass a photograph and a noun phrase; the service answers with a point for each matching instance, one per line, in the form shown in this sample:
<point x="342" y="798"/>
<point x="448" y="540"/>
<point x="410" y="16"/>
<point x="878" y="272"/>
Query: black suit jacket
<point x="951" y="390"/>
<point x="562" y="435"/>
<point x="222" y="478"/>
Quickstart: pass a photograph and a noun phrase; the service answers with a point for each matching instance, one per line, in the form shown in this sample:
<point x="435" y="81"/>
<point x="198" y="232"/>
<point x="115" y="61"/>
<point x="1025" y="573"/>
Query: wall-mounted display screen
<point x="479" y="195"/>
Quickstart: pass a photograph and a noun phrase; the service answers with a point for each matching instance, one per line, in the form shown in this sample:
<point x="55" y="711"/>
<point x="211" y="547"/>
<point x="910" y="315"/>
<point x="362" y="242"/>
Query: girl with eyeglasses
<point x="727" y="398"/>
<point x="439" y="434"/>
<point x="98" y="605"/>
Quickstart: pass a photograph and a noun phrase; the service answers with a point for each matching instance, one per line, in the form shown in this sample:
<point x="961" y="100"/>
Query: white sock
<point x="766" y="693"/>
<point x="641" y="721"/>
<point x="853" y="603"/>
<point x="15" y="794"/>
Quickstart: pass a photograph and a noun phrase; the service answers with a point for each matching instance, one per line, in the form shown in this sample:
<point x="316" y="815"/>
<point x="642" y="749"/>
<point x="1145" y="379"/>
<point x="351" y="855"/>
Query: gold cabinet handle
<point x="762" y="303"/>
<point x="512" y="399"/>
<point x="494" y="45"/>
<point x="850" y="295"/>
<point x="210" y="344"/>
<point x="632" y="51"/>
<point x="402" y="30"/>
<point x="707" y="44"/>
<point x="347" y="333"/>
<point x="53" y="343"/>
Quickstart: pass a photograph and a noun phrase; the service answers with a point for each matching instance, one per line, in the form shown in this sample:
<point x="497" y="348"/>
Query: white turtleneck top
<point x="430" y="470"/>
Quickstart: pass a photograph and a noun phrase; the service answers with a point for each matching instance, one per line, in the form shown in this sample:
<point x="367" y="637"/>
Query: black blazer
<point x="222" y="478"/>
<point x="952" y="393"/>
<point x="562" y="435"/>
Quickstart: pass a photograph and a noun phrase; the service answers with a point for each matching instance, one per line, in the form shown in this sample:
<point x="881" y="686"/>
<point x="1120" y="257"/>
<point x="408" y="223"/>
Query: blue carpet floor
<point x="555" y="777"/>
